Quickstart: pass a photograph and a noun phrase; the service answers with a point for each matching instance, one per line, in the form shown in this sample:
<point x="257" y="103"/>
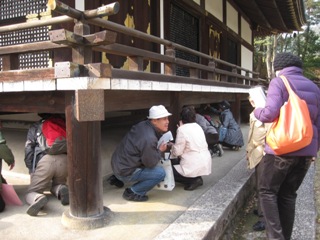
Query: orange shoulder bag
<point x="292" y="130"/>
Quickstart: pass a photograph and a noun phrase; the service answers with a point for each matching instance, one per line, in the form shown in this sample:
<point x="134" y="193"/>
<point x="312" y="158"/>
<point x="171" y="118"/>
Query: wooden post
<point x="10" y="62"/>
<point x="212" y="75"/>
<point x="85" y="177"/>
<point x="84" y="160"/>
<point x="236" y="108"/>
<point x="170" y="68"/>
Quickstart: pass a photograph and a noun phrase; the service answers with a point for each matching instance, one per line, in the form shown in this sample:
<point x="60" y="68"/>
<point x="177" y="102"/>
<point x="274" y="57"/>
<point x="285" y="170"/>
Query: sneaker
<point x="39" y="203"/>
<point x="64" y="195"/>
<point x="221" y="152"/>
<point x="236" y="148"/>
<point x="211" y="153"/>
<point x="258" y="226"/>
<point x="197" y="183"/>
<point x="113" y="180"/>
<point x="129" y="195"/>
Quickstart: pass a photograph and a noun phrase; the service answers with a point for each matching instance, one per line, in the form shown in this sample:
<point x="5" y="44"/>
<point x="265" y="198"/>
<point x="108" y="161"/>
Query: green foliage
<point x="305" y="44"/>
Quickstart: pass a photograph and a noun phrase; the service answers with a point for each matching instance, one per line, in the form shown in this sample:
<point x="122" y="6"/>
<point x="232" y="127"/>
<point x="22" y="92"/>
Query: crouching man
<point x="137" y="155"/>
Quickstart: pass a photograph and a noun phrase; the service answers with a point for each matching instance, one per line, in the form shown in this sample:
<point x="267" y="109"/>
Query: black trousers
<point x="280" y="179"/>
<point x="212" y="139"/>
<point x="2" y="204"/>
<point x="178" y="177"/>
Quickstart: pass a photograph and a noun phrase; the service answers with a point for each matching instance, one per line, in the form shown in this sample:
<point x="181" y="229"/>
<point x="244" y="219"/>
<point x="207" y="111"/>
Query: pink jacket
<point x="192" y="148"/>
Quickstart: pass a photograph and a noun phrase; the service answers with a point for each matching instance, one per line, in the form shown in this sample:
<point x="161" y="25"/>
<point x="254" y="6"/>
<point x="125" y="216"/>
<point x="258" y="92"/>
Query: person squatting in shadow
<point x="136" y="157"/>
<point x="190" y="155"/>
<point x="211" y="133"/>
<point x="230" y="134"/>
<point x="45" y="169"/>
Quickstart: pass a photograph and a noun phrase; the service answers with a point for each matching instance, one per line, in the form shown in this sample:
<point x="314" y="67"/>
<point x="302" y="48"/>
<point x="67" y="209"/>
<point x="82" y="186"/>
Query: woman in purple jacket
<point x="282" y="175"/>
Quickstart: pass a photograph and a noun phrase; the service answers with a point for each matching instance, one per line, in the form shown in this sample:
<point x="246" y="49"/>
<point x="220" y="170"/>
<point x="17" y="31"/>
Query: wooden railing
<point x="105" y="42"/>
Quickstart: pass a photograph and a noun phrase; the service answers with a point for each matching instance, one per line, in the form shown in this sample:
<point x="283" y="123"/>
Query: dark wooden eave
<point x="273" y="16"/>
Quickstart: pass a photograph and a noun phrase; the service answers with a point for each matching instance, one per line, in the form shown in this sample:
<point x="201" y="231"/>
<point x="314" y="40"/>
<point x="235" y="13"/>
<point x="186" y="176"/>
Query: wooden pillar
<point x="236" y="108"/>
<point x="84" y="160"/>
<point x="212" y="75"/>
<point x="85" y="177"/>
<point x="10" y="62"/>
<point x="176" y="105"/>
<point x="170" y="68"/>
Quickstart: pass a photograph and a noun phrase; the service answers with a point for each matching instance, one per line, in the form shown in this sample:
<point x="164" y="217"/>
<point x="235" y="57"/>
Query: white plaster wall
<point x="246" y="59"/>
<point x="246" y="32"/>
<point x="215" y="8"/>
<point x="232" y="18"/>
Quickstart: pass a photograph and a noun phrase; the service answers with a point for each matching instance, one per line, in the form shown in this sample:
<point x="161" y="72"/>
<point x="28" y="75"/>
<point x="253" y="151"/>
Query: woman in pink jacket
<point x="190" y="149"/>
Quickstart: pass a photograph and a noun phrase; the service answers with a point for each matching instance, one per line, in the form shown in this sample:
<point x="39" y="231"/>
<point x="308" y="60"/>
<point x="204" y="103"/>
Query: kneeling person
<point x="45" y="168"/>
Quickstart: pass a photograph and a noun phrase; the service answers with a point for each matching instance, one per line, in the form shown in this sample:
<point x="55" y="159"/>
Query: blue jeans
<point x="145" y="179"/>
<point x="280" y="178"/>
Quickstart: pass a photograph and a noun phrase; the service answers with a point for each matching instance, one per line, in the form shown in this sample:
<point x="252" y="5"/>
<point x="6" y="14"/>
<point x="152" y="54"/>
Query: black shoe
<point x="220" y="151"/>
<point x="236" y="148"/>
<point x="115" y="181"/>
<point x="197" y="183"/>
<point x="64" y="195"/>
<point x="129" y="195"/>
<point x="258" y="226"/>
<point x="255" y="212"/>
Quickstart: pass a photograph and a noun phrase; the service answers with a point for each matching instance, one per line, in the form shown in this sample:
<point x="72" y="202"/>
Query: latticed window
<point x="184" y="30"/>
<point x="15" y="11"/>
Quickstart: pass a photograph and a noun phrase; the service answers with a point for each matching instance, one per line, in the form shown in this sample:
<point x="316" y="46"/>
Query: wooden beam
<point x="102" y="70"/>
<point x="62" y="36"/>
<point x="101" y="38"/>
<point x="30" y="47"/>
<point x="27" y="74"/>
<point x="51" y="102"/>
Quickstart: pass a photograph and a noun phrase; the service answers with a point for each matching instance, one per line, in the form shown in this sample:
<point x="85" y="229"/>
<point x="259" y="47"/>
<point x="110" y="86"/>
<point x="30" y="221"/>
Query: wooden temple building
<point x="104" y="62"/>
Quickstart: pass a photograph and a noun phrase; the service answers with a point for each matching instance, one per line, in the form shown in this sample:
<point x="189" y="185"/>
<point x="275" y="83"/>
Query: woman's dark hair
<point x="188" y="115"/>
<point x="224" y="105"/>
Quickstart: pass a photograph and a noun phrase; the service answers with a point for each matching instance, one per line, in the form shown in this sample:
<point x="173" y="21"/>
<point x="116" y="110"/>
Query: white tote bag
<point x="168" y="183"/>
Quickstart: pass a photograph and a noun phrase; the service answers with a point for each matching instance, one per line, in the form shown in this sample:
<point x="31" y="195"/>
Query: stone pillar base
<point x="86" y="223"/>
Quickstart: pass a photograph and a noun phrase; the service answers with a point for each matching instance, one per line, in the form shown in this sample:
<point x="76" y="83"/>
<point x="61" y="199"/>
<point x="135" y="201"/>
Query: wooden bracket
<point x="69" y="70"/>
<point x="62" y="36"/>
<point x="102" y="70"/>
<point x="89" y="105"/>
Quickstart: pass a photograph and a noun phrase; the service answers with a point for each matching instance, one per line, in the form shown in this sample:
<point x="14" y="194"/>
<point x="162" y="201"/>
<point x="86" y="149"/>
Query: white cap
<point x="157" y="112"/>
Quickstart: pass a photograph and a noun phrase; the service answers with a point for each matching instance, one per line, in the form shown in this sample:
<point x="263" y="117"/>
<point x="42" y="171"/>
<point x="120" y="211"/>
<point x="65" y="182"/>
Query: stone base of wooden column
<point x="86" y="223"/>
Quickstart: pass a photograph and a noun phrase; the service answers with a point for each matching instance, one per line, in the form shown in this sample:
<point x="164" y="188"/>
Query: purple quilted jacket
<point x="277" y="95"/>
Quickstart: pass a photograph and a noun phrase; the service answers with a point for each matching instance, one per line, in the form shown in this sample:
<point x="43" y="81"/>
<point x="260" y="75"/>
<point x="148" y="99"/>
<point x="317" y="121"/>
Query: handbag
<point x="292" y="130"/>
<point x="168" y="182"/>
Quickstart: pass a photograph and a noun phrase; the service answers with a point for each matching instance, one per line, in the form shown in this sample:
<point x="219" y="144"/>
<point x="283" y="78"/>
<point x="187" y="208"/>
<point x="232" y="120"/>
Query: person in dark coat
<point x="136" y="157"/>
<point x="281" y="176"/>
<point x="233" y="138"/>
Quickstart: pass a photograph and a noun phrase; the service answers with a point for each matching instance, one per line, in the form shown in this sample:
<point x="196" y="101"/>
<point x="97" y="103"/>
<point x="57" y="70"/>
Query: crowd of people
<point x="135" y="160"/>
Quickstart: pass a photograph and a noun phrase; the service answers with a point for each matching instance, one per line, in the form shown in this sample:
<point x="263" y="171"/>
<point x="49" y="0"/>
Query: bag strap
<point x="286" y="83"/>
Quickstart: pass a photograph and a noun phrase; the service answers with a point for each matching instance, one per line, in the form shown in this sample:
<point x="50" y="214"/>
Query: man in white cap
<point x="135" y="158"/>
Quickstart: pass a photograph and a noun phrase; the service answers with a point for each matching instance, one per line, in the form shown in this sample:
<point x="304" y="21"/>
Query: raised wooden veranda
<point x="85" y="90"/>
